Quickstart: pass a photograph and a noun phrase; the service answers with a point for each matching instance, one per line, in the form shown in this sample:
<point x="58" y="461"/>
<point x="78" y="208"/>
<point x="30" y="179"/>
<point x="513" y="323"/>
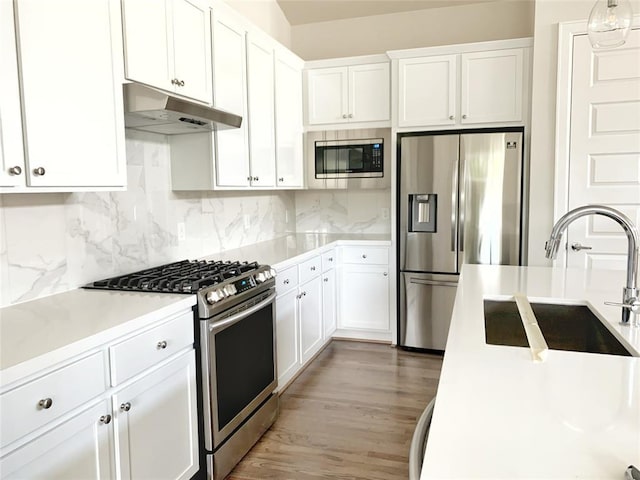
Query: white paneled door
<point x="604" y="157"/>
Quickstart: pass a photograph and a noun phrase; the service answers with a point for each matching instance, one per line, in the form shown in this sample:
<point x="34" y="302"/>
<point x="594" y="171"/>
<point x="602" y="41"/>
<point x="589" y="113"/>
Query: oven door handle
<point x="217" y="326"/>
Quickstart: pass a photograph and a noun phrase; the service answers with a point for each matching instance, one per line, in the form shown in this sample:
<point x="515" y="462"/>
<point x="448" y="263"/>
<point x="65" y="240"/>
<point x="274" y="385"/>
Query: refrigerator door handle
<point x="462" y="206"/>
<point x="454" y="202"/>
<point x="440" y="283"/>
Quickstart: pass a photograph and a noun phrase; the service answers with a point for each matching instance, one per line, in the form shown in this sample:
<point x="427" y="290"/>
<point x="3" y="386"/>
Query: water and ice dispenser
<point x="423" y="208"/>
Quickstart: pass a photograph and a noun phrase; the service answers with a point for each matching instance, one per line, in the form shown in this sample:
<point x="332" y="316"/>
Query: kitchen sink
<point x="565" y="327"/>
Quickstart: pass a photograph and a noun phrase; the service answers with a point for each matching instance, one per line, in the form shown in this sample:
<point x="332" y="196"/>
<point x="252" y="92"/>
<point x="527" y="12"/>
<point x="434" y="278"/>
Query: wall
<point x="51" y="243"/>
<point x="548" y="13"/>
<point x="266" y="15"/>
<point x="422" y="28"/>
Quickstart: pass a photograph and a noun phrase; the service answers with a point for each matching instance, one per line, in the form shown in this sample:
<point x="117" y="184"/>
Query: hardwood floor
<point x="349" y="415"/>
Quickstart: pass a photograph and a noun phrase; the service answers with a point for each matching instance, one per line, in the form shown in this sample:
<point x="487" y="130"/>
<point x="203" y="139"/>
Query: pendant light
<point x="609" y="23"/>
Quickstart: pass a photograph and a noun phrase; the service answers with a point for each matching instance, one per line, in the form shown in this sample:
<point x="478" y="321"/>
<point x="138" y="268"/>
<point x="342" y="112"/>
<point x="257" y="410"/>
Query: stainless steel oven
<point x="238" y="380"/>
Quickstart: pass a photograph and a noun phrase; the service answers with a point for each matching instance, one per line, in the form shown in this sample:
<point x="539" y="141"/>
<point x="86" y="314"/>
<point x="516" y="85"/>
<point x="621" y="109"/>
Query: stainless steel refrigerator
<point x="459" y="201"/>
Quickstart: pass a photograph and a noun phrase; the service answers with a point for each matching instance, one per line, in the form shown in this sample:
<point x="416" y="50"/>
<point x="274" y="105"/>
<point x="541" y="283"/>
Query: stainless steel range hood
<point x="154" y="111"/>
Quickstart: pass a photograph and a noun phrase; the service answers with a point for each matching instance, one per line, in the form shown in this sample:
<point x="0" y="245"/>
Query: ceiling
<point x="299" y="12"/>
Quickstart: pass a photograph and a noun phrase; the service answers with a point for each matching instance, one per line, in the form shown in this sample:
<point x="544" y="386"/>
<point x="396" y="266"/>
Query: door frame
<point x="566" y="33"/>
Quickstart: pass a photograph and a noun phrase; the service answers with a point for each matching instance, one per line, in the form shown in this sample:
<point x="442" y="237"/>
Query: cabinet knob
<point x="106" y="419"/>
<point x="17" y="170"/>
<point x="364" y="255"/>
<point x="313" y="269"/>
<point x="326" y="279"/>
<point x="39" y="171"/>
<point x="281" y="179"/>
<point x="385" y="274"/>
<point x="162" y="345"/>
<point x="286" y="281"/>
<point x="331" y="259"/>
<point x="304" y="294"/>
<point x="125" y="407"/>
<point x="45" y="403"/>
<point x="255" y="179"/>
<point x="344" y="115"/>
<point x="299" y="296"/>
<point x="249" y="179"/>
<point x="451" y="117"/>
<point x="464" y="116"/>
<point x="351" y="115"/>
<point x="181" y="83"/>
<point x="173" y="81"/>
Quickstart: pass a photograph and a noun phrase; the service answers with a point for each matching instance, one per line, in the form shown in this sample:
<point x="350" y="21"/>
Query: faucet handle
<point x="632" y="304"/>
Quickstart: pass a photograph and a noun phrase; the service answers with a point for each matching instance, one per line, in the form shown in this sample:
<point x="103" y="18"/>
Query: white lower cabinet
<point x="364" y="297"/>
<point x="156" y="423"/>
<point x="329" y="302"/>
<point x="80" y="448"/>
<point x="68" y="423"/>
<point x="288" y="355"/>
<point x="310" y="318"/>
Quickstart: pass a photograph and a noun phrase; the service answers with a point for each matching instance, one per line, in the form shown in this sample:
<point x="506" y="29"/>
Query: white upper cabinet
<point x="12" y="168"/>
<point x="168" y="46"/>
<point x="475" y="84"/>
<point x="71" y="75"/>
<point x="230" y="94"/>
<point x="427" y="90"/>
<point x="260" y="91"/>
<point x="491" y="86"/>
<point x="348" y="94"/>
<point x="288" y="105"/>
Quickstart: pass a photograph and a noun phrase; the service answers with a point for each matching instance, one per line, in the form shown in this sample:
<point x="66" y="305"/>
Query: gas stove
<point x="218" y="285"/>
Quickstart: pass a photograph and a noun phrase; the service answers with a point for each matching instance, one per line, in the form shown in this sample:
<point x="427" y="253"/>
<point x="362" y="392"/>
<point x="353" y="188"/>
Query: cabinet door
<point x="230" y="94"/>
<point x="288" y="83"/>
<point x="491" y="86"/>
<point x="262" y="152"/>
<point x="156" y="423"/>
<point x="191" y="36"/>
<point x="148" y="51"/>
<point x="427" y="90"/>
<point x="329" y="302"/>
<point x="369" y="92"/>
<point x="310" y="318"/>
<point x="327" y="95"/>
<point x="72" y="92"/>
<point x="364" y="298"/>
<point x="12" y="171"/>
<point x="288" y="357"/>
<point x="80" y="448"/>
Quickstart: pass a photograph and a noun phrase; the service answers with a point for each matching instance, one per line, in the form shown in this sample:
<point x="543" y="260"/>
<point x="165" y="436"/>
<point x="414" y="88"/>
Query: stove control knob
<point x="272" y="272"/>
<point x="215" y="296"/>
<point x="229" y="290"/>
<point x="261" y="277"/>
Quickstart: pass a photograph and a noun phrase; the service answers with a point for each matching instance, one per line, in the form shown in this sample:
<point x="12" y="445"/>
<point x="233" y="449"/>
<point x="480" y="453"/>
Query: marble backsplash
<point x="50" y="243"/>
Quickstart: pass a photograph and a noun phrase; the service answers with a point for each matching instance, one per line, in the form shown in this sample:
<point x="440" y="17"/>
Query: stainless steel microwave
<point x="357" y="161"/>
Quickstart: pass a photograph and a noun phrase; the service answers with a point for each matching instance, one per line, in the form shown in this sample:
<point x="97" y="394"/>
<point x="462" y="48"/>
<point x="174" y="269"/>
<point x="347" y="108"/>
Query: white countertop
<point x="498" y="415"/>
<point x="282" y="249"/>
<point x="37" y="334"/>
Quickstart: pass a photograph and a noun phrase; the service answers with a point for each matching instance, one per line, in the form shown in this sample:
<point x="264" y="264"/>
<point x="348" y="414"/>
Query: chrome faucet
<point x="630" y="293"/>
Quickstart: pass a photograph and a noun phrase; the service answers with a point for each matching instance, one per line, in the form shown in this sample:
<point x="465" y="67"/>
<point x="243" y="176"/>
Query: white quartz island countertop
<point x="499" y="415"/>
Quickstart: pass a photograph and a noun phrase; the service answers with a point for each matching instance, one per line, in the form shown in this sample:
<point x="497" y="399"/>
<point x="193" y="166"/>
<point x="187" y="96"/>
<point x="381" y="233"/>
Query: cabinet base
<point x="221" y="462"/>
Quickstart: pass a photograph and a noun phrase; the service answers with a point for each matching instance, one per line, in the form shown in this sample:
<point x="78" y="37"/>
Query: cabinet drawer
<point x="328" y="260"/>
<point x="40" y="401"/>
<point x="136" y="354"/>
<point x="309" y="269"/>
<point x="286" y="279"/>
<point x="366" y="255"/>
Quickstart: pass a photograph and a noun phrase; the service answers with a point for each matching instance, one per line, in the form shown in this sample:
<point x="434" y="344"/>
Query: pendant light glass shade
<point x="609" y="23"/>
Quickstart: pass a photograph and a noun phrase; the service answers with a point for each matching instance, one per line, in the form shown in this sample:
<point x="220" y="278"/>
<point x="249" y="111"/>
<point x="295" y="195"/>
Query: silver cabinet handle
<point x="106" y="419"/>
<point x="255" y="179"/>
<point x="45" y="403"/>
<point x="181" y="83"/>
<point x="173" y="81"/>
<point x="125" y="407"/>
<point x="451" y="117"/>
<point x="576" y="247"/>
<point x="304" y="294"/>
<point x="464" y="116"/>
<point x="17" y="170"/>
<point x="162" y="345"/>
<point x="364" y="255"/>
<point x="313" y="269"/>
<point x="299" y="296"/>
<point x="326" y="279"/>
<point x="331" y="259"/>
<point x="281" y="179"/>
<point x="286" y="281"/>
<point x="39" y="171"/>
